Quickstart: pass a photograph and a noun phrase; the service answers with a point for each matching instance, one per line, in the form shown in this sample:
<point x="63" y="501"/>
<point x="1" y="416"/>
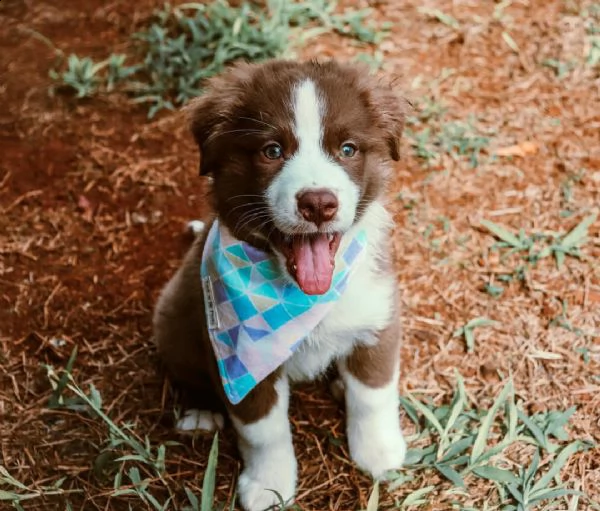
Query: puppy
<point x="293" y="275"/>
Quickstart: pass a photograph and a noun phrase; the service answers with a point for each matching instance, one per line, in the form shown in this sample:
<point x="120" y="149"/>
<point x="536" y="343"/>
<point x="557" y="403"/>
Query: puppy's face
<point x="297" y="152"/>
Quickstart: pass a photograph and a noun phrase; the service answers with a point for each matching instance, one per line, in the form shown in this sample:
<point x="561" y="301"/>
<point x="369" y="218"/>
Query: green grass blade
<point x="554" y="493"/>
<point x="428" y="414"/>
<point x="496" y="474"/>
<point x="416" y="497"/>
<point x="373" y="504"/>
<point x="503" y="234"/>
<point x="208" y="484"/>
<point x="486" y="424"/>
<point x="576" y="236"/>
<point x="449" y="473"/>
<point x="559" y="463"/>
<point x="534" y="429"/>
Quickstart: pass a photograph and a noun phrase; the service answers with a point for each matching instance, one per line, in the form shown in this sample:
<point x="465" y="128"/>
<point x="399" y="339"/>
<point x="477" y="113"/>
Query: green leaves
<point x="191" y="42"/>
<point x="505" y="235"/>
<point x="461" y="140"/>
<point x="540" y="246"/>
<point x="468" y="330"/>
<point x="466" y="443"/>
<point x="208" y="484"/>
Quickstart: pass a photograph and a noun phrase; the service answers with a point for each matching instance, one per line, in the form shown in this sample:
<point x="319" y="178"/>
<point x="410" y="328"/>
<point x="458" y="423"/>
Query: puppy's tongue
<point x="314" y="265"/>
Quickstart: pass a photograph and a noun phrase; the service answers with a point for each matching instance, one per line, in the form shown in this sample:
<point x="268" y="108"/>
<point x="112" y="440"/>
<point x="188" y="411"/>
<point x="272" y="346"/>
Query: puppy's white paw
<point x="377" y="449"/>
<point x="196" y="227"/>
<point x="255" y="487"/>
<point x="200" y="420"/>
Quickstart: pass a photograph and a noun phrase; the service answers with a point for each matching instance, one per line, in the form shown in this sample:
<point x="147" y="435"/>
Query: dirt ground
<point x="93" y="198"/>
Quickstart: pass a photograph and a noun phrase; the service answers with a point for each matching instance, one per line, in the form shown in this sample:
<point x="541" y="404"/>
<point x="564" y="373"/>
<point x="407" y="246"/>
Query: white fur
<point x="268" y="454"/>
<point x="196" y="227"/>
<point x="365" y="307"/>
<point x="373" y="424"/>
<point x="310" y="168"/>
<point x="200" y="420"/>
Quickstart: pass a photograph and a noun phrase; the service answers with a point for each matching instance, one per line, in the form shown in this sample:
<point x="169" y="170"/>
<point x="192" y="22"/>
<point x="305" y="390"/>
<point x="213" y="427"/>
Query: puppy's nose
<point x="317" y="206"/>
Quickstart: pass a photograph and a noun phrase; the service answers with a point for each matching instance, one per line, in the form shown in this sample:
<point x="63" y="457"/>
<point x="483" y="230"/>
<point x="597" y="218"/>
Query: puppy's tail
<point x="195" y="228"/>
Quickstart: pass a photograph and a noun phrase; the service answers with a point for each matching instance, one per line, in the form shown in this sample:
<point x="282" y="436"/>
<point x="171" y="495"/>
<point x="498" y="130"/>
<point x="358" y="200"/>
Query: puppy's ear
<point x="209" y="113"/>
<point x="204" y="116"/>
<point x="390" y="109"/>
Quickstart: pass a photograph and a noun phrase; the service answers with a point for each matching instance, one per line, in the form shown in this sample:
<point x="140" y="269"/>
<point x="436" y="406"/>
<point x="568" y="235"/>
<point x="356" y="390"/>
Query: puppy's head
<point x="297" y="152"/>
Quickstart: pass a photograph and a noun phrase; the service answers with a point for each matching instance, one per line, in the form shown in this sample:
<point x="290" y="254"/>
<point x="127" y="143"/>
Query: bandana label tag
<point x="212" y="314"/>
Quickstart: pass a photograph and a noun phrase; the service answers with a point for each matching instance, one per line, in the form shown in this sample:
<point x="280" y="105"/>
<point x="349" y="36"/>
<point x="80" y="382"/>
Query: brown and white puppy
<point x="299" y="154"/>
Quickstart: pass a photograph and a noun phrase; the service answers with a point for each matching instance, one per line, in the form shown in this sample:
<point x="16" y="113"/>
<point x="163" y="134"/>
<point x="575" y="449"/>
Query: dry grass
<point x="94" y="197"/>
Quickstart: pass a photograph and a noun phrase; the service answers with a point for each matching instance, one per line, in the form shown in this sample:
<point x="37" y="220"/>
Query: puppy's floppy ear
<point x="390" y="109"/>
<point x="209" y="113"/>
<point x="204" y="118"/>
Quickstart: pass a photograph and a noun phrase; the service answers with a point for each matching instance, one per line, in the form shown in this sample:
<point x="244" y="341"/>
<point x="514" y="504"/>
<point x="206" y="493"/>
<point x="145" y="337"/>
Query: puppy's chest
<point x="366" y="307"/>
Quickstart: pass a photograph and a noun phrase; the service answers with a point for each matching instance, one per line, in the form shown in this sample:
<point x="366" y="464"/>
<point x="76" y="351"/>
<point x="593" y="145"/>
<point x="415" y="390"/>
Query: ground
<point x="94" y="197"/>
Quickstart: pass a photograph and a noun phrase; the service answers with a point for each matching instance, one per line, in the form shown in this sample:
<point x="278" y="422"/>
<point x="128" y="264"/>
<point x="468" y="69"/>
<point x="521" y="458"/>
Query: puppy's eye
<point x="273" y="151"/>
<point x="348" y="150"/>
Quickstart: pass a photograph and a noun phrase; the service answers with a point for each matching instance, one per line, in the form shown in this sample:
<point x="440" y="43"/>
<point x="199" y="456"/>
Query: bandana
<point x="257" y="316"/>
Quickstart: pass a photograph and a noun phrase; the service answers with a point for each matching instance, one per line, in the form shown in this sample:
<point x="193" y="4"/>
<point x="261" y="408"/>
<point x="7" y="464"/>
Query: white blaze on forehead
<point x="310" y="167"/>
<point x="308" y="115"/>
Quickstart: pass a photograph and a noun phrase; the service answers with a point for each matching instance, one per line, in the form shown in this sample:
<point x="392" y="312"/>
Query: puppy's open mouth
<point x="310" y="259"/>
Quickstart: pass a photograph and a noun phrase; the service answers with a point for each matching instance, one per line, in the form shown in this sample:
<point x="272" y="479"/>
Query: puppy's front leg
<point x="370" y="375"/>
<point x="265" y="443"/>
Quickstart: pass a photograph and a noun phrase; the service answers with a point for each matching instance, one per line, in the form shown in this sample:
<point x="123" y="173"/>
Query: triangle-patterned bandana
<point x="257" y="317"/>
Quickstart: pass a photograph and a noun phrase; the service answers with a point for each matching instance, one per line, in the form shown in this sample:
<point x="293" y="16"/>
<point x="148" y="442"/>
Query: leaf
<point x="416" y="497"/>
<point x="534" y="429"/>
<point x="512" y="417"/>
<point x="486" y="424"/>
<point x="503" y="234"/>
<point x="511" y="44"/>
<point x="458" y="448"/>
<point x="496" y="474"/>
<point x="415" y="455"/>
<point x="442" y="17"/>
<point x="192" y="498"/>
<point x="470" y="340"/>
<point x="554" y="493"/>
<point x="558" y="464"/>
<point x="449" y="473"/>
<point x="208" y="484"/>
<point x="410" y="410"/>
<point x="56" y="398"/>
<point x="458" y="406"/>
<point x="95" y="398"/>
<point x="529" y="474"/>
<point x="373" y="503"/>
<point x="428" y="414"/>
<point x="7" y="495"/>
<point x="576" y="236"/>
<point x="480" y="322"/>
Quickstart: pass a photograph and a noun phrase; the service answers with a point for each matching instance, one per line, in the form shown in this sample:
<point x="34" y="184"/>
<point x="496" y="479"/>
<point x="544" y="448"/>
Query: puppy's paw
<point x="200" y="420"/>
<point x="259" y="488"/>
<point x="377" y="450"/>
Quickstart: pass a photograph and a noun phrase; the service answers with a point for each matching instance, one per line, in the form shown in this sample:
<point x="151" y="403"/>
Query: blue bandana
<point x="256" y="315"/>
